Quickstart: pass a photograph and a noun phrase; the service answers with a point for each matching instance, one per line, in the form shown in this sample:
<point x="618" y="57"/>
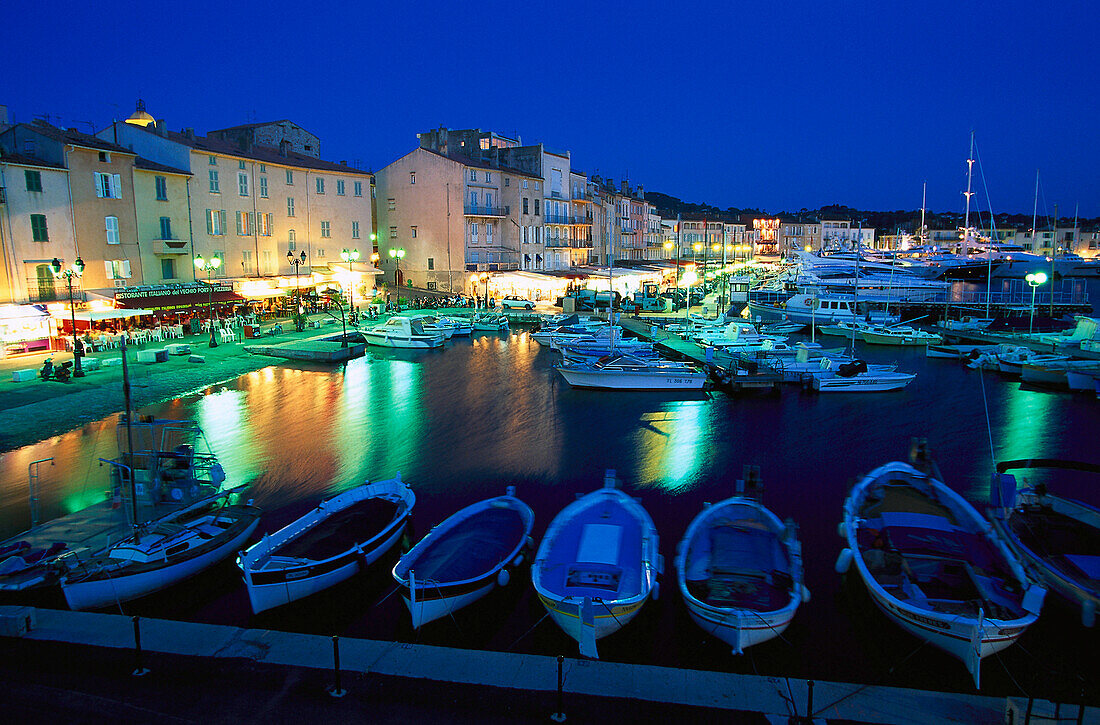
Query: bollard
<point x="810" y="702"/>
<point x="559" y="715"/>
<point x="336" y="690"/>
<point x="139" y="667"/>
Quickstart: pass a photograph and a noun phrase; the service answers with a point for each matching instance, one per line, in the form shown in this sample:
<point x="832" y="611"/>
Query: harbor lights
<point x="209" y="265"/>
<point x="669" y="244"/>
<point x="299" y="317"/>
<point x="690" y="278"/>
<point x="396" y="255"/>
<point x="350" y="257"/>
<point x="75" y="271"/>
<point x="1034" y="280"/>
<point x="484" y="277"/>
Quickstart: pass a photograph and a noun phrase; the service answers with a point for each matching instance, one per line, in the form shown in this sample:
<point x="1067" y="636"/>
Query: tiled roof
<point x="476" y="163"/>
<point x="24" y="160"/>
<point x="265" y="154"/>
<point x="76" y="138"/>
<point x="254" y="125"/>
<point x="147" y="165"/>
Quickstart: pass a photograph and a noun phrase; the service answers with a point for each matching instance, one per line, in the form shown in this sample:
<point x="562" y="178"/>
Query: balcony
<point x="485" y="211"/>
<point x="558" y="219"/>
<point x="170" y="246"/>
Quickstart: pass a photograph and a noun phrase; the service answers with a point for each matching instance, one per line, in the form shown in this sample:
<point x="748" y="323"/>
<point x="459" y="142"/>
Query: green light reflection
<point x="673" y="442"/>
<point x="222" y="417"/>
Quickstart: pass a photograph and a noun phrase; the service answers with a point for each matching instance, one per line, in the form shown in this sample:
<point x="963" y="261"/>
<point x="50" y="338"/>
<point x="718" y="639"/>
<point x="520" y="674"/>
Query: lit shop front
<point x="188" y="297"/>
<point x="24" y="329"/>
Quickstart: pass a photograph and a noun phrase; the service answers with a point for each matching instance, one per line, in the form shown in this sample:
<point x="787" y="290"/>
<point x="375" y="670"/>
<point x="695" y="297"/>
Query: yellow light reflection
<point x="673" y="443"/>
<point x="221" y="415"/>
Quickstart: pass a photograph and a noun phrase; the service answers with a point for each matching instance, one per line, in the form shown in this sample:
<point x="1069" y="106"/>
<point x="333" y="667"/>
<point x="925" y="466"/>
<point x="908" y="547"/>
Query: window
<point x="488" y="233"/>
<point x="355" y="230"/>
<point x="240" y="164"/>
<point x="246" y="258"/>
<point x="536" y="207"/>
<point x="473" y="175"/>
<point x="359" y="188"/>
<point x="165" y="227"/>
<point x="242" y="184"/>
<point x="168" y="268"/>
<point x="536" y="186"/>
<point x="319" y="252"/>
<point x="507" y="181"/>
<point x="413" y="232"/>
<point x="105" y="157"/>
<point x="117" y="268"/>
<point x="473" y="233"/>
<point x="290" y="206"/>
<point x="214" y="181"/>
<point x="263" y="168"/>
<point x="244" y="223"/>
<point x="39" y="233"/>
<point x="489" y="201"/>
<point x="263" y="187"/>
<point x="412" y="178"/>
<point x="215" y="222"/>
<point x="108" y="186"/>
<point x="525" y="183"/>
<point x="326" y="231"/>
<point x="526" y="210"/>
<point x="431" y="263"/>
<point x="213" y="161"/>
<point x="339" y="187"/>
<point x="111" y="225"/>
<point x="320" y="185"/>
<point x="488" y="177"/>
<point x="269" y="268"/>
<point x="263" y="224"/>
<point x="473" y="200"/>
<point x="162" y="188"/>
<point x="289" y="177"/>
<point x="34" y="179"/>
<point x="393" y="232"/>
<point x="291" y="240"/>
<point x="391" y="204"/>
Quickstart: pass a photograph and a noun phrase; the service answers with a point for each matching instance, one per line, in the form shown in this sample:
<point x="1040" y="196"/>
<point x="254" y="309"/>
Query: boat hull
<point x="403" y="342"/>
<point x="607" y="380"/>
<point x="879" y="338"/>
<point x="864" y="383"/>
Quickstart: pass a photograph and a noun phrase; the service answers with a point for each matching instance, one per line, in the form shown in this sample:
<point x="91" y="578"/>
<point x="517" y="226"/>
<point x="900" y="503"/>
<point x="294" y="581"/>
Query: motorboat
<point x="843" y="329"/>
<point x="575" y="329"/>
<point x="1011" y="362"/>
<point x="604" y="341"/>
<point x="331" y="543"/>
<point x="489" y="322"/>
<point x="590" y="351"/>
<point x="966" y="323"/>
<point x="785" y="327"/>
<point x="433" y="323"/>
<point x="934" y="566"/>
<point x="812" y="307"/>
<point x="463" y="558"/>
<point x="958" y="352"/>
<point x="803" y="365"/>
<point x="1087" y="379"/>
<point x="858" y="377"/>
<point x="594" y="336"/>
<point x="160" y="553"/>
<point x="628" y="372"/>
<point x="898" y="335"/>
<point x="597" y="564"/>
<point x="461" y="326"/>
<point x="1054" y="373"/>
<point x="739" y="569"/>
<point x="734" y="334"/>
<point x="403" y="332"/>
<point x="1057" y="538"/>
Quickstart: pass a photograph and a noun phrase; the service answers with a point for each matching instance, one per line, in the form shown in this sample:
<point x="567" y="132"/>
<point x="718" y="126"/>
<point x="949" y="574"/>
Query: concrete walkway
<point x="516" y="675"/>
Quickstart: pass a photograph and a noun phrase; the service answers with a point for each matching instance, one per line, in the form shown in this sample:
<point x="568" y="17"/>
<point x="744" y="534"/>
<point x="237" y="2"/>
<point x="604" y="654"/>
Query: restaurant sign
<point x="159" y="291"/>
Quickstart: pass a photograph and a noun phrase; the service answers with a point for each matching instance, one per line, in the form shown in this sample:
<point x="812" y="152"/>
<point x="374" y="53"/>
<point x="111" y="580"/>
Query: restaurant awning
<point x="117" y="313"/>
<point x="176" y="296"/>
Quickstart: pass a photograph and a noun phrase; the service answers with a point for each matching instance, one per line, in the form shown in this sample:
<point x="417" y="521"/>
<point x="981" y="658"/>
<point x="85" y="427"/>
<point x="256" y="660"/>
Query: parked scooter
<point x="61" y="373"/>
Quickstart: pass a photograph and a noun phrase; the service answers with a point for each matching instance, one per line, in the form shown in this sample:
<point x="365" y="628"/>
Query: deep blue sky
<point x="796" y="105"/>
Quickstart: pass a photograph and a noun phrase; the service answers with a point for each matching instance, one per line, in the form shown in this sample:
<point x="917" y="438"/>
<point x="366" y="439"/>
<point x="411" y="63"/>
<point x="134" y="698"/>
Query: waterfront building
<point x="163" y="221"/>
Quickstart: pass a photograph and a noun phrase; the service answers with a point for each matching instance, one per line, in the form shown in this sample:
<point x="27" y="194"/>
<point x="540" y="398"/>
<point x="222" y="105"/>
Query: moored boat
<point x="627" y="372"/>
<point x="489" y="322"/>
<point x="858" y="377"/>
<point x="597" y="564"/>
<point x="465" y="557"/>
<point x="403" y="332"/>
<point x="934" y="566"/>
<point x="331" y="543"/>
<point x="899" y="335"/>
<point x="739" y="569"/>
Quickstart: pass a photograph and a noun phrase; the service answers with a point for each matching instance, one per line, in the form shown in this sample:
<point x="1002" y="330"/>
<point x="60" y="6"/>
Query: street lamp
<point x="1034" y="280"/>
<point x="350" y="256"/>
<point x="209" y="265"/>
<point x="484" y="277"/>
<point x="669" y="244"/>
<point x="299" y="323"/>
<point x="690" y="278"/>
<point x="396" y="255"/>
<point x="76" y="271"/>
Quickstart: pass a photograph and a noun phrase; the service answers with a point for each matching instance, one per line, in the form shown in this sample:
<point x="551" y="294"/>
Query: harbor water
<point x="486" y="412"/>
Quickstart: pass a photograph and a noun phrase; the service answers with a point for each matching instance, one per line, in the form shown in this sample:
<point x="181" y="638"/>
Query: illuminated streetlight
<point x="1034" y="280"/>
<point x="210" y="265"/>
<point x="350" y="256"/>
<point x="299" y="321"/>
<point x="76" y="271"/>
<point x="396" y="255"/>
<point x="690" y="278"/>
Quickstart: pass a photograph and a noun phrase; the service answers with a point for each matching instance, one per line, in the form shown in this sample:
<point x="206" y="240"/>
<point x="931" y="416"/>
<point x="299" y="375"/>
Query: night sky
<point x="797" y="105"/>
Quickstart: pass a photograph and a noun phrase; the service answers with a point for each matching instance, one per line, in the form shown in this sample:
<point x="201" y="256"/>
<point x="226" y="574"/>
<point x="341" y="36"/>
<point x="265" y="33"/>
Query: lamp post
<point x="75" y="271"/>
<point x="484" y="277"/>
<point x="397" y="254"/>
<point x="1034" y="280"/>
<point x="299" y="323"/>
<point x="209" y="265"/>
<point x="669" y="244"/>
<point x="350" y="256"/>
<point x="690" y="278"/>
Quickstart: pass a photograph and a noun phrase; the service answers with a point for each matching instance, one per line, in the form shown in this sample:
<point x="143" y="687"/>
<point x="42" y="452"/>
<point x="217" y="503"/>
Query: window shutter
<point x="270" y="223"/>
<point x="251" y="222"/>
<point x="116" y="186"/>
<point x="110" y="268"/>
<point x="209" y="222"/>
<point x="125" y="264"/>
<point x="222" y="221"/>
<point x="240" y="225"/>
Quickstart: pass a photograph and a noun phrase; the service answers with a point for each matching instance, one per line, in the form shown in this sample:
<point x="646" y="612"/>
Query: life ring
<point x="809" y="303"/>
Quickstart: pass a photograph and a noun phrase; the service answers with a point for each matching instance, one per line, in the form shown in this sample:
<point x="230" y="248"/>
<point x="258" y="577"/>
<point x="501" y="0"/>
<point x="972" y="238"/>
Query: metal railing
<point x="479" y="210"/>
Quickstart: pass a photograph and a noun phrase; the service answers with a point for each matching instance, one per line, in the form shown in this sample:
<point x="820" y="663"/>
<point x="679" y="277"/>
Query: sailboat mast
<point x="1035" y="212"/>
<point x="969" y="193"/>
<point x="129" y="436"/>
<point x="923" y="204"/>
<point x="1053" y="255"/>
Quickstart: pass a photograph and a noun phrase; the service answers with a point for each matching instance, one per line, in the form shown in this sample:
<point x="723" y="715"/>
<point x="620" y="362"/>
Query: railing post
<point x="336" y="690"/>
<point x="559" y="714"/>
<point x="139" y="667"/>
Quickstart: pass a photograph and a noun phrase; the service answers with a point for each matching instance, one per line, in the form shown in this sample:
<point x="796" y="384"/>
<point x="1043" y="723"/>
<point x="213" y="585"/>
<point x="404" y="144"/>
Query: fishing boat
<point x="740" y="569"/>
<point x="331" y="543"/>
<point x="489" y="322"/>
<point x="597" y="564"/>
<point x="460" y="325"/>
<point x="1057" y="538"/>
<point x="629" y="372"/>
<point x="858" y="377"/>
<point x="403" y="332"/>
<point x="465" y="557"/>
<point x="933" y="565"/>
<point x="603" y="342"/>
<point x="1054" y="373"/>
<point x="899" y="335"/>
<point x="958" y="352"/>
<point x="783" y="327"/>
<point x="161" y="553"/>
<point x="843" y="328"/>
<point x="1083" y="379"/>
<point x="803" y="365"/>
<point x="1012" y="362"/>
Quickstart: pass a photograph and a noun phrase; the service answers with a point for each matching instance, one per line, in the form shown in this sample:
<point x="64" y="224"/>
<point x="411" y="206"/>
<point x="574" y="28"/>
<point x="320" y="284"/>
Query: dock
<point x="324" y="348"/>
<point x="732" y="371"/>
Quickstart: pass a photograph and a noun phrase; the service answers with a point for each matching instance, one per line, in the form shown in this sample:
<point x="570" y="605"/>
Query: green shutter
<point x="209" y="223"/>
<point x="39" y="232"/>
<point x="222" y="219"/>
